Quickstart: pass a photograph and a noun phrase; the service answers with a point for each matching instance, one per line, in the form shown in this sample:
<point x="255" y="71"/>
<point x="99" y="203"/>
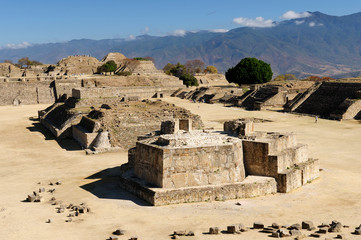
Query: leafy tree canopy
<point x="109" y="66"/>
<point x="250" y="71"/>
<point x="189" y="80"/>
<point x="211" y="69"/>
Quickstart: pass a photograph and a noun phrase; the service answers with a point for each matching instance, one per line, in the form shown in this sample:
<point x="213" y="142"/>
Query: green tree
<point x="211" y="69"/>
<point x="250" y="71"/>
<point x="109" y="66"/>
<point x="24" y="62"/>
<point x="189" y="80"/>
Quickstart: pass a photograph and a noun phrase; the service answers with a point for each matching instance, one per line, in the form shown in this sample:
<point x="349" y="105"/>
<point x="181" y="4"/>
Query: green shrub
<point x="125" y="73"/>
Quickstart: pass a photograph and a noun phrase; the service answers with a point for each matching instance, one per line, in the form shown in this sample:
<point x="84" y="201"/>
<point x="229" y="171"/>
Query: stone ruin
<point x="186" y="165"/>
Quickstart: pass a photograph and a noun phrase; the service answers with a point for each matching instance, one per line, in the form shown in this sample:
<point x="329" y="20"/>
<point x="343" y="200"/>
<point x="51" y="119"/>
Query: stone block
<point x="258" y="225"/>
<point x="289" y="180"/>
<point x="231" y="229"/>
<point x="169" y="127"/>
<point x="185" y="124"/>
<point x="307" y="224"/>
<point x="213" y="230"/>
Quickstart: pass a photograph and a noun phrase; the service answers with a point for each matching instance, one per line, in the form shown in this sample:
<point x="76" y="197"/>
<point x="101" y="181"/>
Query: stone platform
<point x="251" y="186"/>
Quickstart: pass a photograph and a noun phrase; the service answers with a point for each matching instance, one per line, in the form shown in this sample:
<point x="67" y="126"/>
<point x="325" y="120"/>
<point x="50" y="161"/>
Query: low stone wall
<point x="110" y="92"/>
<point x="252" y="186"/>
<point x="26" y="93"/>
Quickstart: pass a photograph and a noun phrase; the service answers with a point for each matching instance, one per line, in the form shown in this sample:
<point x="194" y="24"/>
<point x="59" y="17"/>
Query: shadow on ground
<point x="108" y="187"/>
<point x="67" y="144"/>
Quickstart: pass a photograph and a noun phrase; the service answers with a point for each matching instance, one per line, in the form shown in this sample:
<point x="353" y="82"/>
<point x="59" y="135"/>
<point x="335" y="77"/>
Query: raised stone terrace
<point x="191" y="166"/>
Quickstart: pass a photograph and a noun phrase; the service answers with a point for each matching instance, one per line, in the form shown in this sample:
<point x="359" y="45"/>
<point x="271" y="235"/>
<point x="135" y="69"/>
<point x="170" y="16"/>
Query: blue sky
<point x="25" y="22"/>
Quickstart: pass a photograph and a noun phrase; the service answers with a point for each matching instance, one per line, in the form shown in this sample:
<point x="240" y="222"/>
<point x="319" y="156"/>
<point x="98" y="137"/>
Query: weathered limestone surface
<point x="200" y="166"/>
<point x="26" y="93"/>
<point x="330" y="100"/>
<point x="125" y="92"/>
<point x="252" y="186"/>
<point x="183" y="162"/>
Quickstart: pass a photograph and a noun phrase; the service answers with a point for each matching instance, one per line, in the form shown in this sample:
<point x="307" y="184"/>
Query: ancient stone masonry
<point x="190" y="166"/>
<point x="49" y="83"/>
<point x="335" y="100"/>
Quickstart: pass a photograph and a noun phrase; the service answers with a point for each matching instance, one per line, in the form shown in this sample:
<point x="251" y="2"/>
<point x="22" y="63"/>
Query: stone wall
<point x="26" y="93"/>
<point x="174" y="167"/>
<point x="111" y="92"/>
<point x="328" y="98"/>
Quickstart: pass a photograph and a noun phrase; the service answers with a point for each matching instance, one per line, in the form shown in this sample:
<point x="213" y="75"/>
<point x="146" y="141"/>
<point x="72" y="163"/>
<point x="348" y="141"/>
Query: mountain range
<point x="320" y="44"/>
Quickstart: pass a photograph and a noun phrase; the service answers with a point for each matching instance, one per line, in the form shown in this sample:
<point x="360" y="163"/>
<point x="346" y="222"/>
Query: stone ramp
<point x="267" y="95"/>
<point x="328" y="98"/>
<point x="348" y="109"/>
<point x="300" y="98"/>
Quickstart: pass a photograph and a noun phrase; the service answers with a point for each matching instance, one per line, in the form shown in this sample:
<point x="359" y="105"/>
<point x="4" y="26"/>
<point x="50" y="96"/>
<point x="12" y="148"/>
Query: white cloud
<point x="178" y="33"/>
<point x="293" y="15"/>
<point x="313" y="24"/>
<point x="299" y="22"/>
<point x="16" y="46"/>
<point x="218" y="30"/>
<point x="131" y="37"/>
<point x="145" y="30"/>
<point x="258" y="22"/>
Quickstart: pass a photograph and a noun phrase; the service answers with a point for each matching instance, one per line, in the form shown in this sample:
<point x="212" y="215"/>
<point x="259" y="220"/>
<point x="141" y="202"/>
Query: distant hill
<point x="317" y="45"/>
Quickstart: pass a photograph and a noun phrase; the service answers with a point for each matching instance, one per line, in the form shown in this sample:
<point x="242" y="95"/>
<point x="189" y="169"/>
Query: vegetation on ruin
<point x="26" y="62"/>
<point x="185" y="71"/>
<point x="211" y="69"/>
<point x="189" y="80"/>
<point x="144" y="58"/>
<point x="285" y="77"/>
<point x="109" y="66"/>
<point x="124" y="73"/>
<point x="250" y="71"/>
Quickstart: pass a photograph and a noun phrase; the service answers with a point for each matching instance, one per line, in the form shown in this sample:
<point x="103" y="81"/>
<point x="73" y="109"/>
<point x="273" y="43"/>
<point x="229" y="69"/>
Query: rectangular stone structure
<point x="183" y="166"/>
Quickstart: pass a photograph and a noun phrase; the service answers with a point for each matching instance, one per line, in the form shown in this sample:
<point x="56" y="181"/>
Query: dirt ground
<point x="30" y="155"/>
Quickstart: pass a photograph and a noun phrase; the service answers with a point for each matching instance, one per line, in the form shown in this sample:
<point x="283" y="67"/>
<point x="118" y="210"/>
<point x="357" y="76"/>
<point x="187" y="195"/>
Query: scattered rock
<point x="357" y="231"/>
<point x="48" y="221"/>
<point x="31" y="198"/>
<point x="113" y="238"/>
<point x="268" y="230"/>
<point x="341" y="236"/>
<point x="315" y="235"/>
<point x="275" y="235"/>
<point x="258" y="225"/>
<point x="58" y="183"/>
<point x="179" y="233"/>
<point x="295" y="232"/>
<point x="307" y="225"/>
<point x="299" y="237"/>
<point x="190" y="233"/>
<point x="296" y="226"/>
<point x="41" y="190"/>
<point x="118" y="232"/>
<point x="69" y="220"/>
<point x="231" y="229"/>
<point x="213" y="230"/>
<point x="276" y="226"/>
<point x="242" y="228"/>
<point x="322" y="230"/>
<point x="238" y="204"/>
<point x="335" y="227"/>
<point x="284" y="233"/>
